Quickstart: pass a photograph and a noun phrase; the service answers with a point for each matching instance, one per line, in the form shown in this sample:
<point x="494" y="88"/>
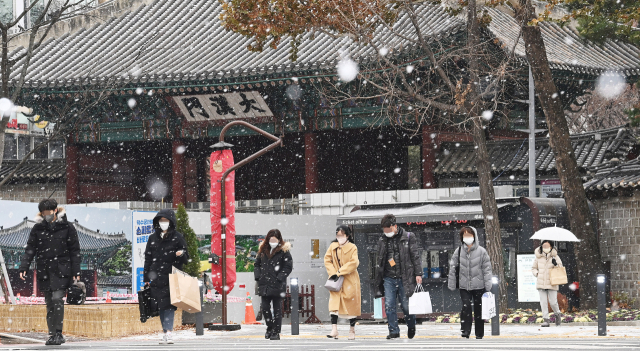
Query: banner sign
<point x="142" y="229"/>
<point x="211" y="107"/>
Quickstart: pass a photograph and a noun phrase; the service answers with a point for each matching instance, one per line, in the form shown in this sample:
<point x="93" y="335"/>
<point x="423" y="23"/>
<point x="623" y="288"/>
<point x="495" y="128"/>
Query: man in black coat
<point x="54" y="243"/>
<point x="398" y="272"/>
<point x="165" y="249"/>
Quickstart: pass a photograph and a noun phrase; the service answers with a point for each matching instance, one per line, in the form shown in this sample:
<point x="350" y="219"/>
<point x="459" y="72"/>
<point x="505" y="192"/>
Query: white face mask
<point x="546" y="250"/>
<point x="389" y="235"/>
<point x="342" y="240"/>
<point x="273" y="245"/>
<point x="164" y="225"/>
<point x="468" y="241"/>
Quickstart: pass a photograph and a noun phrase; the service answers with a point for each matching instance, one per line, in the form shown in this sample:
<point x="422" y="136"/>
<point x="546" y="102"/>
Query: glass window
<point x="10" y="147"/>
<point x="6" y="11"/>
<point x="43" y="152"/>
<point x="56" y="149"/>
<point x="24" y="146"/>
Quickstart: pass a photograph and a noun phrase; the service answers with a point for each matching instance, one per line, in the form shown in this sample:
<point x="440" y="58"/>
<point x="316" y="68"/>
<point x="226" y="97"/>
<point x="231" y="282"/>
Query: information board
<point x="142" y="222"/>
<point x="527" y="291"/>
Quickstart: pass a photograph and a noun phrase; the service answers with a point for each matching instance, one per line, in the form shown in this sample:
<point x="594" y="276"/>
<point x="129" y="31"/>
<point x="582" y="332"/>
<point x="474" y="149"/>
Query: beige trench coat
<point x="348" y="300"/>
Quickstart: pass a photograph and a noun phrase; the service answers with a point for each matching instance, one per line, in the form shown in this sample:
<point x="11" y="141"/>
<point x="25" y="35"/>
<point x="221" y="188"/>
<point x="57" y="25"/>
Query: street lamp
<point x="295" y="317"/>
<point x="223" y="214"/>
<point x="495" y="321"/>
<point x="602" y="305"/>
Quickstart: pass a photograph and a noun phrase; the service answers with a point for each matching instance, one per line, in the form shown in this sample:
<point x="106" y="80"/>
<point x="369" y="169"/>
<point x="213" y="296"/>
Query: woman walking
<point x="341" y="260"/>
<point x="165" y="249"/>
<point x="471" y="273"/>
<point x="271" y="269"/>
<point x="547" y="258"/>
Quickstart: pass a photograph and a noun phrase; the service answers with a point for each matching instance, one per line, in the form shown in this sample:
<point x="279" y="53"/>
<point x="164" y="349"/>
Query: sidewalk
<point x="452" y="331"/>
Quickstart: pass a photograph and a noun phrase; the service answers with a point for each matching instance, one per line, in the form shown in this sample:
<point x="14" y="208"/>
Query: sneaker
<point x="51" y="340"/>
<point x="169" y="338"/>
<point x="61" y="338"/>
<point x="164" y="339"/>
<point x="411" y="333"/>
<point x="275" y="336"/>
<point x="393" y="336"/>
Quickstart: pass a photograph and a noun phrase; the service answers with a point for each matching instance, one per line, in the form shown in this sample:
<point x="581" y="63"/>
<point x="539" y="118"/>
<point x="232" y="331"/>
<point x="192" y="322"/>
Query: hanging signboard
<point x="142" y="229"/>
<point x="527" y="291"/>
<point x="211" y="107"/>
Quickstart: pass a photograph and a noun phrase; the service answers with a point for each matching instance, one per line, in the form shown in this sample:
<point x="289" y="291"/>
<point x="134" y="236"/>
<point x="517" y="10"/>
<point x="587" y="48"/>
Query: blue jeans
<point x="166" y="318"/>
<point x="394" y="293"/>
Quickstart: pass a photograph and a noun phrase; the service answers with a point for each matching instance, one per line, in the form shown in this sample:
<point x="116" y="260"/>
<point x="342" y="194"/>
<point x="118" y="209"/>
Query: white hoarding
<point x="142" y="229"/>
<point x="527" y="291"/>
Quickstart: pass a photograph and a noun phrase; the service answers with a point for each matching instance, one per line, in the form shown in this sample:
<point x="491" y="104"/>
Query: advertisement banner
<point x="221" y="161"/>
<point x="142" y="229"/>
<point x="527" y="291"/>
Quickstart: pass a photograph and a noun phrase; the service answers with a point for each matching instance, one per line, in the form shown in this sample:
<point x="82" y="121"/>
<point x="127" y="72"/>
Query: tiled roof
<point x="182" y="40"/>
<point x="614" y="174"/>
<point x="591" y="149"/>
<point x="40" y="170"/>
<point x="91" y="242"/>
<point x="121" y="280"/>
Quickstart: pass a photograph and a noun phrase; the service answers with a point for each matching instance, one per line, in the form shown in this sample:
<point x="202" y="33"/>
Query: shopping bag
<point x="148" y="305"/>
<point x="184" y="291"/>
<point x="488" y="305"/>
<point x="377" y="308"/>
<point x="420" y="301"/>
<point x="558" y="276"/>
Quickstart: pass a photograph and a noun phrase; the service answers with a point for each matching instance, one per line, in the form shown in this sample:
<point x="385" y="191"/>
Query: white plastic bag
<point x="420" y="301"/>
<point x="488" y="305"/>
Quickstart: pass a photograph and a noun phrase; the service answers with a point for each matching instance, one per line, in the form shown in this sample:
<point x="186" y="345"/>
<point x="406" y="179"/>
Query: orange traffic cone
<point x="108" y="297"/>
<point x="249" y="316"/>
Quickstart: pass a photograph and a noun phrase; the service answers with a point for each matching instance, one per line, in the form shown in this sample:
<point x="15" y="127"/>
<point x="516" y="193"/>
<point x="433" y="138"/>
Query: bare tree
<point x="593" y="112"/>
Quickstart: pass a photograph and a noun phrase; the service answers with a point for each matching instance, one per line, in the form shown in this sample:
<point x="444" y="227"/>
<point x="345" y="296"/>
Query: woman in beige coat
<point x="341" y="260"/>
<point x="547" y="258"/>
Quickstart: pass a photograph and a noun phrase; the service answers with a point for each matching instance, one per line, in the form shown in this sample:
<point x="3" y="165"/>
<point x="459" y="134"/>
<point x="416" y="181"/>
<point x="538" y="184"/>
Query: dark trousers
<point x="465" y="316"/>
<point x="55" y="309"/>
<point x="274" y="323"/>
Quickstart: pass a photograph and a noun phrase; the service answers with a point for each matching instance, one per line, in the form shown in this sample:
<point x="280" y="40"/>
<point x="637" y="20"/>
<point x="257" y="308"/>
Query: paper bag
<point x="420" y="301"/>
<point x="184" y="291"/>
<point x="558" y="276"/>
<point x="488" y="305"/>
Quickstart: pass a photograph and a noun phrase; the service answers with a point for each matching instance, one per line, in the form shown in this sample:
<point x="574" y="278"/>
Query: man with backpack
<point x="398" y="271"/>
<point x="54" y="243"/>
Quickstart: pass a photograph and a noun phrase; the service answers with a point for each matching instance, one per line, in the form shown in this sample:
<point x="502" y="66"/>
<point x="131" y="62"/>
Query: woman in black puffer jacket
<point x="165" y="249"/>
<point x="273" y="265"/>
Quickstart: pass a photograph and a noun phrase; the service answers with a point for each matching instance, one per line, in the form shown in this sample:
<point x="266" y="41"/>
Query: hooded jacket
<point x="56" y="249"/>
<point x="409" y="264"/>
<point x="271" y="272"/>
<point x="160" y="258"/>
<point x="542" y="268"/>
<point x="475" y="267"/>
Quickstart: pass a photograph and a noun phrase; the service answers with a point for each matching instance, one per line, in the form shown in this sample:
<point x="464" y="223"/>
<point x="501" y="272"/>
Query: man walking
<point x="398" y="272"/>
<point x="54" y="243"/>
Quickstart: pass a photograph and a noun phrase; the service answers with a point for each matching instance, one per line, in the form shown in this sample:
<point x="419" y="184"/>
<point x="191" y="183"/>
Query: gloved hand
<point x="553" y="260"/>
<point x="334" y="277"/>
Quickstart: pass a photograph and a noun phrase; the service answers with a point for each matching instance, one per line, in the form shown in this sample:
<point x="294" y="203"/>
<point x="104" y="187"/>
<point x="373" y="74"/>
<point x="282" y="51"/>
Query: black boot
<point x="393" y="336"/>
<point x="411" y="333"/>
<point x="275" y="336"/>
<point x="267" y="335"/>
<point x="51" y="340"/>
<point x="61" y="338"/>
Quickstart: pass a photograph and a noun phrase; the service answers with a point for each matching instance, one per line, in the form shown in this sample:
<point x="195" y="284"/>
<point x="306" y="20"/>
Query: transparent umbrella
<point x="555" y="234"/>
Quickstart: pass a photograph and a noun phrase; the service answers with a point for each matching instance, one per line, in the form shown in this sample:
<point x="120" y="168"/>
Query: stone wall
<point x="620" y="242"/>
<point x="34" y="192"/>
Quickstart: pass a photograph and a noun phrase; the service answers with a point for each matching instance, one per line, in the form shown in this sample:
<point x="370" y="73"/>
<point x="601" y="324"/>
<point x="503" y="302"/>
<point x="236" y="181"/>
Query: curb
<point x="30" y="340"/>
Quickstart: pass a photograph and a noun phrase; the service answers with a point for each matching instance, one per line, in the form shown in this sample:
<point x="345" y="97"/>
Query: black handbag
<point x="77" y="293"/>
<point x="147" y="304"/>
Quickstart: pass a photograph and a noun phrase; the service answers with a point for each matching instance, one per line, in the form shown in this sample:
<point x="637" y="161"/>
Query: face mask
<point x="273" y="245"/>
<point x="49" y="218"/>
<point x="342" y="240"/>
<point x="546" y="250"/>
<point x="468" y="241"/>
<point x="164" y="225"/>
<point x="389" y="235"/>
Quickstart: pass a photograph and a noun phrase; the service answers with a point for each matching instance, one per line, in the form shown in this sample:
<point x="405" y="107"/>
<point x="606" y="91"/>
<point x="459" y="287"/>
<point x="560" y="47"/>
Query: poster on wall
<point x="142" y="222"/>
<point x="527" y="291"/>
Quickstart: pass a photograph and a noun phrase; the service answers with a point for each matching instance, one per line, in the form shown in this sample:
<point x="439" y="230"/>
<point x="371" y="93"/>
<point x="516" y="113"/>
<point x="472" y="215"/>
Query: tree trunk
<point x="487" y="193"/>
<point x="587" y="252"/>
<point x="4" y="73"/>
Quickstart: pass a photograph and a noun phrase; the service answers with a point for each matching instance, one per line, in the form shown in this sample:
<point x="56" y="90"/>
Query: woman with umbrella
<point x="546" y="259"/>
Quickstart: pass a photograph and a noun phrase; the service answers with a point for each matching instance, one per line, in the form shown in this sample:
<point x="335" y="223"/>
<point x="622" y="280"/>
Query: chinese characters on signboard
<point x="210" y="107"/>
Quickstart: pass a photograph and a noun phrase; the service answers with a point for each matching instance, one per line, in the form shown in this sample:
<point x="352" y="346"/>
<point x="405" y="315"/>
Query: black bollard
<point x="602" y="306"/>
<point x="495" y="321"/>
<point x="295" y="317"/>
